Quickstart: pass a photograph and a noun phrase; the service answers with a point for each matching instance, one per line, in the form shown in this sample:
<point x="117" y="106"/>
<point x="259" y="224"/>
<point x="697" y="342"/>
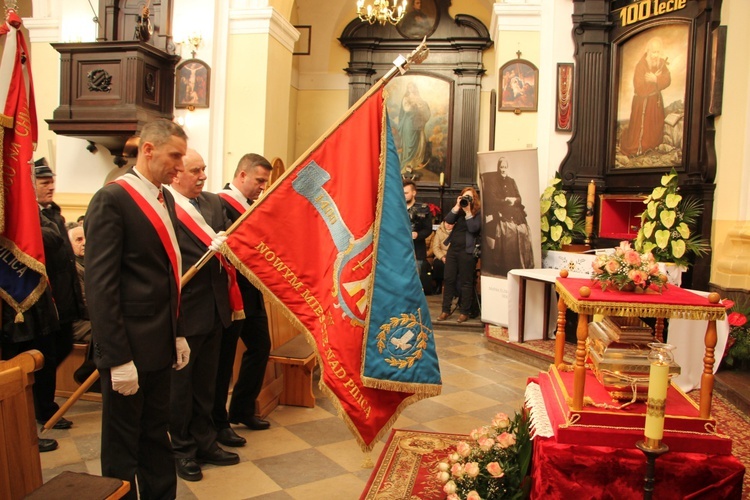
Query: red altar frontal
<point x="592" y="452"/>
<point x="593" y="455"/>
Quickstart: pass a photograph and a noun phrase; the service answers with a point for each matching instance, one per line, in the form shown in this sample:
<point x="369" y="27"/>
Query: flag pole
<point x="400" y="65"/>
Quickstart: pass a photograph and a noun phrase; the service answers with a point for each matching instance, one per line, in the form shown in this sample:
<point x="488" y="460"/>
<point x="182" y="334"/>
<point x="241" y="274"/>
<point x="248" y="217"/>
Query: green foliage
<point x="668" y="224"/>
<point x="562" y="216"/>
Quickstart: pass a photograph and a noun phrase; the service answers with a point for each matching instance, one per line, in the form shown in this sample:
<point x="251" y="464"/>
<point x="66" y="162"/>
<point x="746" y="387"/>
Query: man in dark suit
<point x="132" y="281"/>
<point x="204" y="313"/>
<point x="250" y="178"/>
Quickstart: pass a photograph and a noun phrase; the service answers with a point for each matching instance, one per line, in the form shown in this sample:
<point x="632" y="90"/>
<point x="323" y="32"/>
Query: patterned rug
<point x="407" y="467"/>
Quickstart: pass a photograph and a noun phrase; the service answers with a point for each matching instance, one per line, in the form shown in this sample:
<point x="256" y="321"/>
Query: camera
<point x="466" y="200"/>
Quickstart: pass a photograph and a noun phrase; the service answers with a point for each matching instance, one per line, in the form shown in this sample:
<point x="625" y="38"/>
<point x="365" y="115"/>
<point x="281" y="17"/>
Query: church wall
<point x="731" y="232"/>
<point x="247" y="81"/>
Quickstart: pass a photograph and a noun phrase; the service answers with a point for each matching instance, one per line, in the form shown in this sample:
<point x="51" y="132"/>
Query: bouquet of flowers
<point x="666" y="224"/>
<point x="493" y="465"/>
<point x="627" y="270"/>
<point x="737" y="351"/>
<point x="562" y="216"/>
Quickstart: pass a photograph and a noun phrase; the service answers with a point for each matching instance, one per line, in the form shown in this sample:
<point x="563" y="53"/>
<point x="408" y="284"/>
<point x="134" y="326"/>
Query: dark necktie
<point x="160" y="198"/>
<point x="194" y="202"/>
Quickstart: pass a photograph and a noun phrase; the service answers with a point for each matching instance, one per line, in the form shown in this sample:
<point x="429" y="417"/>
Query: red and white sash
<point x="158" y="216"/>
<point x="235" y="199"/>
<point x="194" y="222"/>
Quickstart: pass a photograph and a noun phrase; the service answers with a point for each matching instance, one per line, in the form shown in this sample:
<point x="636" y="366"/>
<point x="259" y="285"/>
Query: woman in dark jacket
<point x="462" y="256"/>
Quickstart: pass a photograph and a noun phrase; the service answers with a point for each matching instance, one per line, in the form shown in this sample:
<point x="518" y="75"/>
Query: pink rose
<point x="471" y="469"/>
<point x="736" y="319"/>
<point x="612" y="266"/>
<point x="637" y="277"/>
<point x="457" y="470"/>
<point x="443" y="477"/>
<point x="506" y="440"/>
<point x="473" y="495"/>
<point x="501" y="420"/>
<point x="653" y="269"/>
<point x="444" y="467"/>
<point x="486" y="443"/>
<point x="495" y="470"/>
<point x="449" y="488"/>
<point x="454" y="457"/>
<point x="479" y="433"/>
<point x="597" y="266"/>
<point x="624" y="247"/>
<point x="463" y="448"/>
<point x="632" y="258"/>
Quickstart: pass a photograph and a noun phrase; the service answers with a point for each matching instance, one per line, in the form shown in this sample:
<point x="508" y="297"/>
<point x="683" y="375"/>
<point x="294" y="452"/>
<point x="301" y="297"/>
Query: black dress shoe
<point x="188" y="469"/>
<point x="219" y="456"/>
<point x="63" y="423"/>
<point x="47" y="445"/>
<point x="228" y="437"/>
<point x="254" y="423"/>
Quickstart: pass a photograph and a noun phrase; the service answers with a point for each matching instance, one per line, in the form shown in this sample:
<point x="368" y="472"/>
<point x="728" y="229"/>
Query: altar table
<point x="673" y="302"/>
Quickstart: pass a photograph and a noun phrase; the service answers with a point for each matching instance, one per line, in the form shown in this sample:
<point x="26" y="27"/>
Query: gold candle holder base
<point x="653" y="449"/>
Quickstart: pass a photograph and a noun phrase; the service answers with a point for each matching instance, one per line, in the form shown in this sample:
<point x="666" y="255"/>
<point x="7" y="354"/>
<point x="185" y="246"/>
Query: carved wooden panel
<point x="610" y="142"/>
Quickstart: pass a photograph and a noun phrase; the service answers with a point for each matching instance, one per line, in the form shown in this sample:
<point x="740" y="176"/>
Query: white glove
<point x="183" y="353"/>
<point x="125" y="379"/>
<point x="216" y="243"/>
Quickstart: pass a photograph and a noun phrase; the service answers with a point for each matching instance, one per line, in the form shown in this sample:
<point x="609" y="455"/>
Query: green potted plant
<point x="668" y="225"/>
<point x="562" y="216"/>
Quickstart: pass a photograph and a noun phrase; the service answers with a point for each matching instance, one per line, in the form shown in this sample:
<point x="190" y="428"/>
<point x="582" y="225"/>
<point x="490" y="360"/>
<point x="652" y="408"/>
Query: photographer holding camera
<point x="462" y="256"/>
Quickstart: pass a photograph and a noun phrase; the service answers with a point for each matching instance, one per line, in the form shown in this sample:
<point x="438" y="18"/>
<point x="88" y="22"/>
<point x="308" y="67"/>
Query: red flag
<point x="22" y="271"/>
<point x="311" y="244"/>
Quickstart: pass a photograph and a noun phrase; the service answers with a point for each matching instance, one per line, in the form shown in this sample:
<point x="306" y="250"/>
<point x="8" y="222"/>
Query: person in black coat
<point x="66" y="291"/>
<point x="204" y="312"/>
<point x="250" y="178"/>
<point x="462" y="256"/>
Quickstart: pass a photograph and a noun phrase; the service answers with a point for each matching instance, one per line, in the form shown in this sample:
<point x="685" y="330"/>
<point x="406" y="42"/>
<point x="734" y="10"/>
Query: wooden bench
<point x="66" y="384"/>
<point x="298" y="359"/>
<point x="20" y="465"/>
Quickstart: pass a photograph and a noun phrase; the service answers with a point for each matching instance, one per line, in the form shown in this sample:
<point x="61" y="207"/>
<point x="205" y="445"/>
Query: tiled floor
<point x="309" y="453"/>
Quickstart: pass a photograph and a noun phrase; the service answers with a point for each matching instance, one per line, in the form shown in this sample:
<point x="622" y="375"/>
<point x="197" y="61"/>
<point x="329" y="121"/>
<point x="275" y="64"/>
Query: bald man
<point x="205" y="312"/>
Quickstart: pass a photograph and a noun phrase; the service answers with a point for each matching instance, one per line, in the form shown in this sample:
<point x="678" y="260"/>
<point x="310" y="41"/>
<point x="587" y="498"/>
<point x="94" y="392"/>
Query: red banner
<point x="310" y="245"/>
<point x="22" y="271"/>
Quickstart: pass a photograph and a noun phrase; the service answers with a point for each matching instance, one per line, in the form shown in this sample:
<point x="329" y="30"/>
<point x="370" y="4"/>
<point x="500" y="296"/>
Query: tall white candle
<point x="658" y="381"/>
<point x="442" y="178"/>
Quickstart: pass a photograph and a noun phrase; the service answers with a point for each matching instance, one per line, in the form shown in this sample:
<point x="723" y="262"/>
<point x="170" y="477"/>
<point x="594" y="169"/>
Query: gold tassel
<point x="367" y="461"/>
<point x="19" y="318"/>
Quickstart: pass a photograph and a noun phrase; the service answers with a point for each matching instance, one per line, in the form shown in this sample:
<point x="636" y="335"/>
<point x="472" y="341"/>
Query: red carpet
<point x="407" y="467"/>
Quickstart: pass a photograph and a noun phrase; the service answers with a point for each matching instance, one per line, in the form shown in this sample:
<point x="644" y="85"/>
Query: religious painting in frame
<point x="192" y="84"/>
<point x="419" y="107"/>
<point x="652" y="68"/>
<point x="420" y="20"/>
<point x="564" y="107"/>
<point x="519" y="84"/>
